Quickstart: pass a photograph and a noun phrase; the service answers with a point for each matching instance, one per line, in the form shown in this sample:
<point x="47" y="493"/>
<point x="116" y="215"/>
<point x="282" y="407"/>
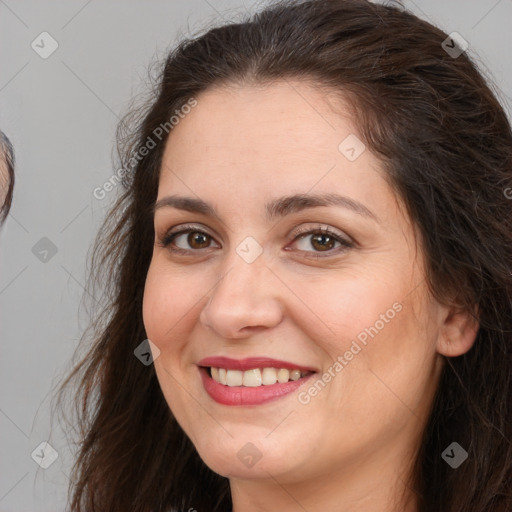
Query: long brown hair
<point x="446" y="145"/>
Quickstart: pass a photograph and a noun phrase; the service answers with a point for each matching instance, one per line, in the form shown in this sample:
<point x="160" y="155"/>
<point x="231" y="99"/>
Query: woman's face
<point x="253" y="279"/>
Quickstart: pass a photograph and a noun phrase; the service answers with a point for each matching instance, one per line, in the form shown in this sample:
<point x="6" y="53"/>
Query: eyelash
<point x="297" y="234"/>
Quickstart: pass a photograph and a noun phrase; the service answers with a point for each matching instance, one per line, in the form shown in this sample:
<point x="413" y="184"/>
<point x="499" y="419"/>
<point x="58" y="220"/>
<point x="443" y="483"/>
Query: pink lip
<point x="241" y="395"/>
<point x="244" y="395"/>
<point x="250" y="363"/>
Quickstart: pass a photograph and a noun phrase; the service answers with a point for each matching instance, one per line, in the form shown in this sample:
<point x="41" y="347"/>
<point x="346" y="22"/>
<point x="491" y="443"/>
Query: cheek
<point x="168" y="310"/>
<point x="168" y="300"/>
<point x="369" y="328"/>
<point x="356" y="307"/>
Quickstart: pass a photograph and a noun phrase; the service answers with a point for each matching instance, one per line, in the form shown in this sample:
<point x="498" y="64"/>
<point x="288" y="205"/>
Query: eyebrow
<point x="276" y="208"/>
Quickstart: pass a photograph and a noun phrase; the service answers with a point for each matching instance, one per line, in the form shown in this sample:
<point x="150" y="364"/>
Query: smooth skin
<point x="303" y="300"/>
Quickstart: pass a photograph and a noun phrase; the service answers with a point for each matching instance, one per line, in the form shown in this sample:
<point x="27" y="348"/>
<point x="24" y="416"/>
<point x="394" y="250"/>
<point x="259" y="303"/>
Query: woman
<point x="6" y="175"/>
<point x="318" y="245"/>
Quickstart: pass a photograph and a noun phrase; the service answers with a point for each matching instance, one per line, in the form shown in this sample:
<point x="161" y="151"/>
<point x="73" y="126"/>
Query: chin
<point x="239" y="457"/>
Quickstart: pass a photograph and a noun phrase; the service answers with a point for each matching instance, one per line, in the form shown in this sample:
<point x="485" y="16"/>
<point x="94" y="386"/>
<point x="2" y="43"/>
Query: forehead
<point x="286" y="119"/>
<point x="273" y="140"/>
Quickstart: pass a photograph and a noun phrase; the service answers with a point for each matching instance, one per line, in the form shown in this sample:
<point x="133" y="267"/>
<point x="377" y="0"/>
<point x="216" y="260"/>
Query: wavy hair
<point x="445" y="142"/>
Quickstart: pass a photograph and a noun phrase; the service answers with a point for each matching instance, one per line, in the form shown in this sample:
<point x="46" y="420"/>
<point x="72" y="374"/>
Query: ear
<point x="458" y="330"/>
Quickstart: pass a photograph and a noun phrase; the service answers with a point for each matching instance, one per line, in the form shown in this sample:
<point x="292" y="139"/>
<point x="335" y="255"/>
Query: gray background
<point x="60" y="114"/>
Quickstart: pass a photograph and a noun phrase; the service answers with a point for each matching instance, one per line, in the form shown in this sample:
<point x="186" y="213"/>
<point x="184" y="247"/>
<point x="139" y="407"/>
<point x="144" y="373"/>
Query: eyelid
<point x="187" y="227"/>
<point x="296" y="234"/>
<point x="319" y="227"/>
<point x="346" y="242"/>
<point x="182" y="229"/>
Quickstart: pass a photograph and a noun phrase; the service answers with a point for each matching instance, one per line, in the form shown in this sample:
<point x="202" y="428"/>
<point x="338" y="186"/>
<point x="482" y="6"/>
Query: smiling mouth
<point x="251" y="381"/>
<point x="255" y="377"/>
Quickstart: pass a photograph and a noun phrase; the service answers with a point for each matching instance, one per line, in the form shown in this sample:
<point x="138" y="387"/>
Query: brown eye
<point x="198" y="240"/>
<point x="322" y="242"/>
<point x="187" y="240"/>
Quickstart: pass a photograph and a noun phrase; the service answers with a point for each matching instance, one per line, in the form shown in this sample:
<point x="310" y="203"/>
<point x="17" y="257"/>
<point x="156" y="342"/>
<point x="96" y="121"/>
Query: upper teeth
<point x="255" y="377"/>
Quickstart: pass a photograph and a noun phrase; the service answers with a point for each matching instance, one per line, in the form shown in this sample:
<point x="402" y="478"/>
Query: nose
<point x="244" y="301"/>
